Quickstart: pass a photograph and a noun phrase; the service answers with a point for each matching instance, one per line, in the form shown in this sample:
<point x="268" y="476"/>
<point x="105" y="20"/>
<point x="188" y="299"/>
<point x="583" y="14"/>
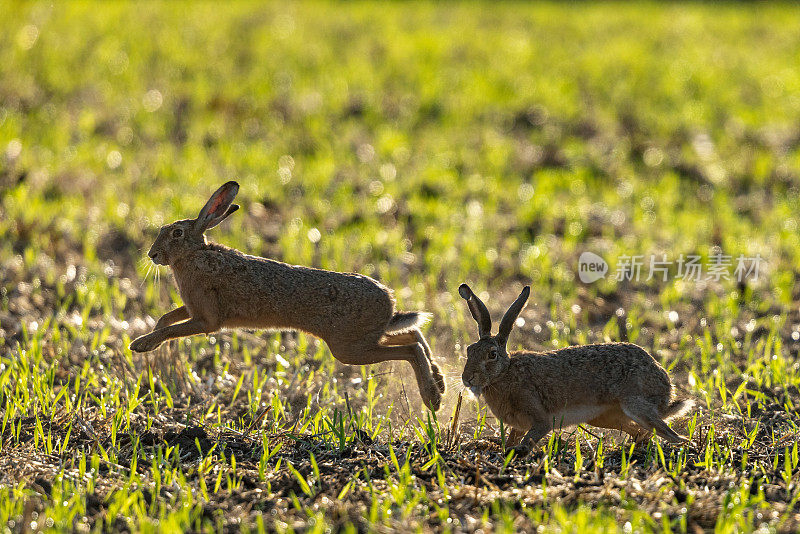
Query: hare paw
<point x="520" y="451"/>
<point x="432" y="398"/>
<point x="144" y="344"/>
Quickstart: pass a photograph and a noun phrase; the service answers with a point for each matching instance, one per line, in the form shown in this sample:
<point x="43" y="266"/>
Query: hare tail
<point x="405" y="321"/>
<point x="678" y="408"/>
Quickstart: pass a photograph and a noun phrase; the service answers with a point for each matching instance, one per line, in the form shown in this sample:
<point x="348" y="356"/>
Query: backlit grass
<point x="424" y="145"/>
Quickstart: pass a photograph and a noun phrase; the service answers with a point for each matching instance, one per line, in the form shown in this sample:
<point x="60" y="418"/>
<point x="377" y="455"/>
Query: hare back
<point x="258" y="292"/>
<point x="593" y="375"/>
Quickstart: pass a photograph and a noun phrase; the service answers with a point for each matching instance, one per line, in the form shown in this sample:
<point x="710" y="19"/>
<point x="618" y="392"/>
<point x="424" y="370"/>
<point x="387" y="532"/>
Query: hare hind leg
<point x="615" y="419"/>
<point x="412" y="353"/>
<point x="646" y="415"/>
<point x="411" y="337"/>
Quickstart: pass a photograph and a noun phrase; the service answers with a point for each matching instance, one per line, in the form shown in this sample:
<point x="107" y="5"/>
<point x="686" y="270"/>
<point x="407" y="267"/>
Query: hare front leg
<point x="171" y="317"/>
<point x="531" y="437"/>
<point x="515" y="436"/>
<point x="157" y="337"/>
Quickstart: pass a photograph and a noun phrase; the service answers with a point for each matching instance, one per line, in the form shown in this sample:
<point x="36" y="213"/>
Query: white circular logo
<point x="591" y="267"/>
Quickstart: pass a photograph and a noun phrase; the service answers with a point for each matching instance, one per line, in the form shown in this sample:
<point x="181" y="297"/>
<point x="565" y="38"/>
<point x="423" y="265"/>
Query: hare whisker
<point x="146" y="274"/>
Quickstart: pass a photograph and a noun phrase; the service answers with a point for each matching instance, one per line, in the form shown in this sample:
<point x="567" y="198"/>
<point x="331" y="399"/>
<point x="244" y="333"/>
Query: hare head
<point x="487" y="358"/>
<point x="177" y="239"/>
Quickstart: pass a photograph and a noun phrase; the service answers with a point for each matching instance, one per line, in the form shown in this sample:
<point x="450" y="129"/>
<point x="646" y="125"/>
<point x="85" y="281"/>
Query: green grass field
<point x="424" y="145"/>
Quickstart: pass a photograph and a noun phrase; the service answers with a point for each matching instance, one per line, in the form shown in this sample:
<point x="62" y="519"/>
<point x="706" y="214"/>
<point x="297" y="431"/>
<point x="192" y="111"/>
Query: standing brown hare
<point x="224" y="288"/>
<point x="609" y="385"/>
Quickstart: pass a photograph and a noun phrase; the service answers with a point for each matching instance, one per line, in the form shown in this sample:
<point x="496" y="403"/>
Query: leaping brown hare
<point x="224" y="288"/>
<point x="610" y="385"/>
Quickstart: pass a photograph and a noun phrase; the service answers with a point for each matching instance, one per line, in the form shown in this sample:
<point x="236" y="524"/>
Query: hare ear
<point x="231" y="209"/>
<point x="478" y="310"/>
<point x="218" y="207"/>
<point x="511" y="315"/>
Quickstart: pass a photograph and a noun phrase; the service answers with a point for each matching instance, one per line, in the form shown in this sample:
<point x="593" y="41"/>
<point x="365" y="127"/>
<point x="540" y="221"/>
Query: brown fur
<point x="224" y="288"/>
<point x="610" y="385"/>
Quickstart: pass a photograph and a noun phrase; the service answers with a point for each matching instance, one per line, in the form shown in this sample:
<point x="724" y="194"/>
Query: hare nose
<point x="467" y="381"/>
<point x="153" y="255"/>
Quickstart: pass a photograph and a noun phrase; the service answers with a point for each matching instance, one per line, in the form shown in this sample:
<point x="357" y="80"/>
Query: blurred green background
<point x="462" y="140"/>
<point x="421" y="144"/>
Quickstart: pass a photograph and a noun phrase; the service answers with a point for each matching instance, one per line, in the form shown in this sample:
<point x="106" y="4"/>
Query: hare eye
<point x="493" y="354"/>
<point x="177" y="232"/>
